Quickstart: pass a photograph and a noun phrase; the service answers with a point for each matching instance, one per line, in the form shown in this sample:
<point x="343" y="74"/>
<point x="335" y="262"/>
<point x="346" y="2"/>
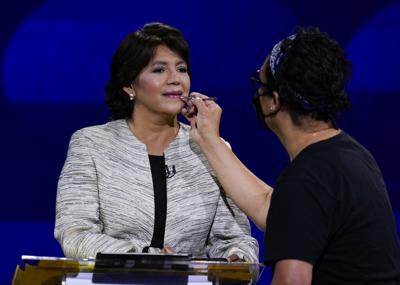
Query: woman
<point x="139" y="183"/>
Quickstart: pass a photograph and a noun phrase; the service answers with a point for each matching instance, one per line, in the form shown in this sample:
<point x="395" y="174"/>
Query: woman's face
<point x="160" y="84"/>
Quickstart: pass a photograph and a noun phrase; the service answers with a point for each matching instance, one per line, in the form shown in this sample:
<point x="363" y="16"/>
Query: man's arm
<point x="292" y="272"/>
<point x="249" y="192"/>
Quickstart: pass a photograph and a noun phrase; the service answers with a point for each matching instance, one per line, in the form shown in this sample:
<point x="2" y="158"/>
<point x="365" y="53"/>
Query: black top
<point x="330" y="208"/>
<point x="157" y="164"/>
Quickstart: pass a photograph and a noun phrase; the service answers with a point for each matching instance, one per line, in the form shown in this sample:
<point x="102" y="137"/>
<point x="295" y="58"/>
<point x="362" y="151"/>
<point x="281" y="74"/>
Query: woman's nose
<point x="173" y="77"/>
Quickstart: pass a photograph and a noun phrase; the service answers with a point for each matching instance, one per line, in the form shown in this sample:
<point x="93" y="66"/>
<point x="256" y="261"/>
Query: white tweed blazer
<point x="105" y="198"/>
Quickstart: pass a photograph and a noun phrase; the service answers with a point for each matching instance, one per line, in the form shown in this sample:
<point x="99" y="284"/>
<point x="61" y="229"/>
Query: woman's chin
<point x="175" y="109"/>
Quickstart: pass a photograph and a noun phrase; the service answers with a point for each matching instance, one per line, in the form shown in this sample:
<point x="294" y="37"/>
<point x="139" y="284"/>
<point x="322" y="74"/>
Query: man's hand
<point x="204" y="117"/>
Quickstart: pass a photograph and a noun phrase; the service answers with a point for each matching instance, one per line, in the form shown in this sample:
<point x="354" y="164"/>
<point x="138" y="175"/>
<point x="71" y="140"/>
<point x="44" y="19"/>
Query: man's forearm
<point x="248" y="192"/>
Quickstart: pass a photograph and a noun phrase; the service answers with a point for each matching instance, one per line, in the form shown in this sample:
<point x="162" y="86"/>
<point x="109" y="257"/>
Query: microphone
<point x="170" y="173"/>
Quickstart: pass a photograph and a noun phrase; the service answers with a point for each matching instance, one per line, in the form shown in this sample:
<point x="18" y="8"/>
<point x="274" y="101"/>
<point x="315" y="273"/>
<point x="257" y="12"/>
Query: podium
<point x="133" y="269"/>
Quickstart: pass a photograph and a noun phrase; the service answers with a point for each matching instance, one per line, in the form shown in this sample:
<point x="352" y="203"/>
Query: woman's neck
<point x="155" y="134"/>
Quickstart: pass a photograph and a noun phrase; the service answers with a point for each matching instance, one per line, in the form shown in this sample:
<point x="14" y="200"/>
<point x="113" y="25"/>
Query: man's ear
<point x="276" y="100"/>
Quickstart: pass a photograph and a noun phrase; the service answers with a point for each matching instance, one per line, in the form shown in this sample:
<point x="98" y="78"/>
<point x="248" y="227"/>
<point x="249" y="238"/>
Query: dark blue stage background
<point x="55" y="58"/>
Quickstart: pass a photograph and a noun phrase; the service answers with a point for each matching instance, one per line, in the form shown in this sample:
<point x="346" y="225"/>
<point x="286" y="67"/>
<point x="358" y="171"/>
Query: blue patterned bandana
<point x="275" y="59"/>
<point x="277" y="55"/>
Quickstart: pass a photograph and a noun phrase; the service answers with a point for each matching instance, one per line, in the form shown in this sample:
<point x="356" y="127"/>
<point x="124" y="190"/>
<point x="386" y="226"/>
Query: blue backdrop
<point x="55" y="58"/>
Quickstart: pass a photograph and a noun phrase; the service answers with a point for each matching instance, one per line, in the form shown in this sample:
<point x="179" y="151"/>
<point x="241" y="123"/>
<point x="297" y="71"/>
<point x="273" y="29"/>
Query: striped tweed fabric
<point x="105" y="199"/>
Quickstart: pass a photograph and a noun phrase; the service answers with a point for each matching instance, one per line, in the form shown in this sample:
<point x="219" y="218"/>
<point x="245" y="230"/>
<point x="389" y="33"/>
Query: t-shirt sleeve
<point x="298" y="222"/>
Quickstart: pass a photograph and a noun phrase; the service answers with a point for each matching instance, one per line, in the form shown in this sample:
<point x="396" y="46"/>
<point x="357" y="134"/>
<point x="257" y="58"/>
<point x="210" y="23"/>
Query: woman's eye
<point x="182" y="69"/>
<point x="158" y="70"/>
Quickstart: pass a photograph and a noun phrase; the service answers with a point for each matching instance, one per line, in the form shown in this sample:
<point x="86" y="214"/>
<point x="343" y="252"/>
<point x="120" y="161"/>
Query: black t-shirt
<point x="330" y="208"/>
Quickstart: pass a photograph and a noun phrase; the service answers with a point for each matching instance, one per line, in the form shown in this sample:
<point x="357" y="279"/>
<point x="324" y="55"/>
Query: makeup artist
<point x="139" y="183"/>
<point x="328" y="220"/>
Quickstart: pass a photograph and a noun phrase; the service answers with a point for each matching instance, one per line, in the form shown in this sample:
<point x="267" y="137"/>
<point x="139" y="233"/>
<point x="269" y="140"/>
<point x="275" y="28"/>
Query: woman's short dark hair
<point x="134" y="54"/>
<point x="311" y="76"/>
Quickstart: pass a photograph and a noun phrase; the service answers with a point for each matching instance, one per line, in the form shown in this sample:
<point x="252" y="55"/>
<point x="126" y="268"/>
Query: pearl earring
<point x="131" y="96"/>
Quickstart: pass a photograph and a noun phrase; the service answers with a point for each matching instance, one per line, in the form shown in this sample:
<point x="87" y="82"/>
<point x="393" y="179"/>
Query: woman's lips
<point x="174" y="95"/>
